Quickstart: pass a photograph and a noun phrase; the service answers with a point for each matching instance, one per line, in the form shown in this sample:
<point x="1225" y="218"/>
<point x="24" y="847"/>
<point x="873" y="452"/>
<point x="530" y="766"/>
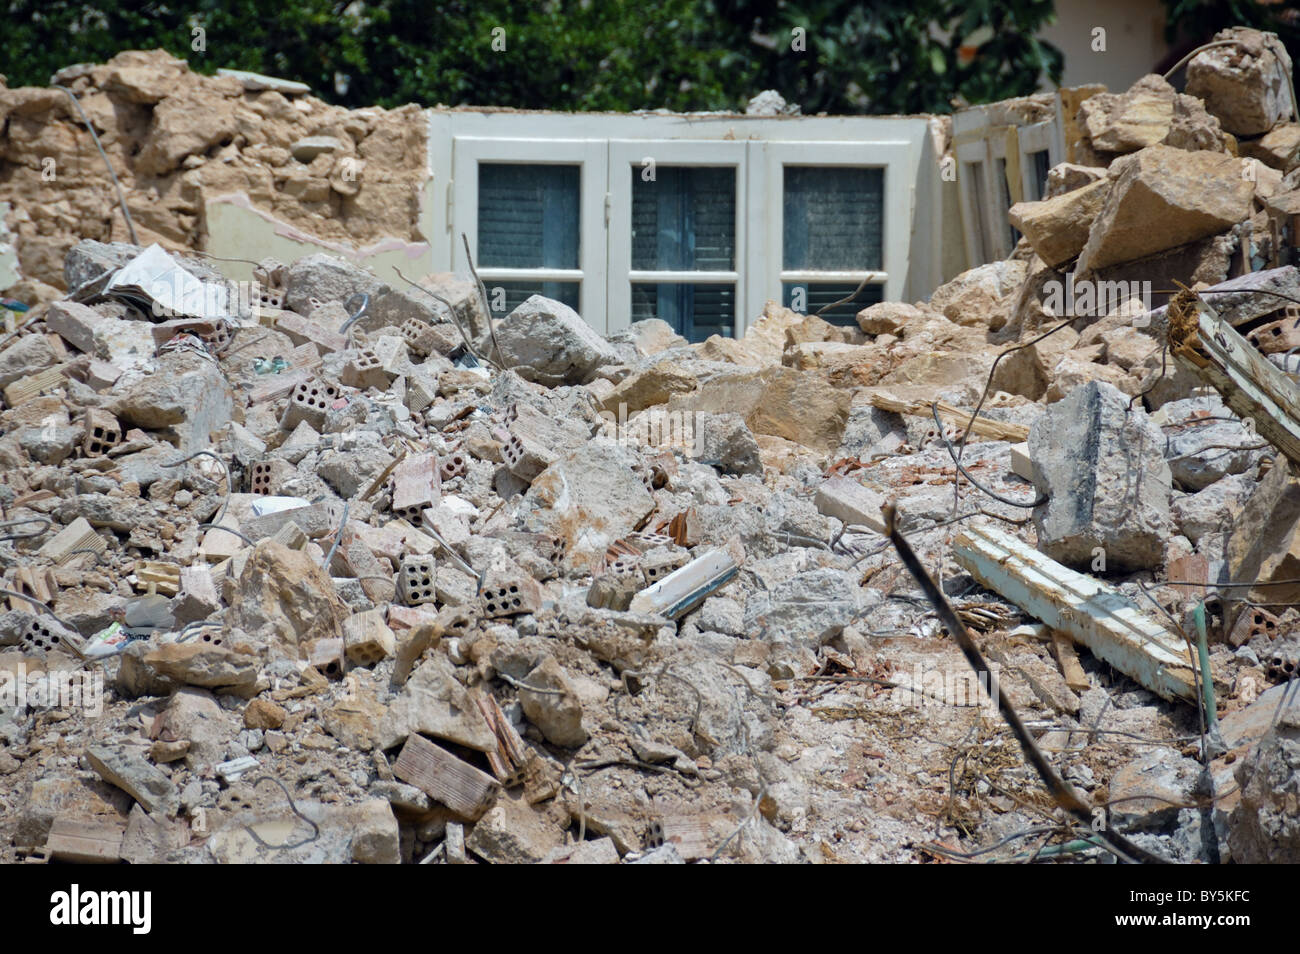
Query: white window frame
<point x="1039" y="137"/>
<point x="977" y="219"/>
<point x="592" y="157"/>
<point x="768" y="274"/>
<point x="626" y="157"/>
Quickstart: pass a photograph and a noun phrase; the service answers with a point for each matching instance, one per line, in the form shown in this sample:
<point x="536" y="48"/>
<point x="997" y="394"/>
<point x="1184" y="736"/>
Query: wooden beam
<point x="980" y="427"/>
<point x="1093" y="613"/>
<point x="1203" y="343"/>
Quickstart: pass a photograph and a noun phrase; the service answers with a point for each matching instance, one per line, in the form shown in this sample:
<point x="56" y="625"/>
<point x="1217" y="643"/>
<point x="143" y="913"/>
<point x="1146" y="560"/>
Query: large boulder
<point x="1246" y="84"/>
<point x="1102" y="466"/>
<point x="1148" y="114"/>
<point x="546" y="341"/>
<point x="1163" y="198"/>
<point x="1057" y="228"/>
<point x="981" y="296"/>
<point x="285" y="593"/>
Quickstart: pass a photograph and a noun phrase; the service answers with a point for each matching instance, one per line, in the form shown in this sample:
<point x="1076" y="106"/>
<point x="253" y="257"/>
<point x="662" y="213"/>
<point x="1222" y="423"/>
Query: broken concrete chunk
<point x="552" y="705"/>
<point x="188" y="393"/>
<point x="433" y="703"/>
<point x="589" y="498"/>
<point x="513" y="833"/>
<point x="286" y="595"/>
<point x="135" y="776"/>
<point x="981" y="296"/>
<point x="725" y="441"/>
<point x="1264" y="828"/>
<point x="1102" y="465"/>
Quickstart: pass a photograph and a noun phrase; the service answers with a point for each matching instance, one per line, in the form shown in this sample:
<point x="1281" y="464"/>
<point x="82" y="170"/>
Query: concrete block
<point x="43" y="634"/>
<point x="509" y="593"/>
<point x="851" y="503"/>
<point x="416" y="485"/>
<point x="657" y="565"/>
<point x="75" y="323"/>
<point x="464" y="789"/>
<point x="451" y="466"/>
<point x="34" y="385"/>
<point x="78" y="535"/>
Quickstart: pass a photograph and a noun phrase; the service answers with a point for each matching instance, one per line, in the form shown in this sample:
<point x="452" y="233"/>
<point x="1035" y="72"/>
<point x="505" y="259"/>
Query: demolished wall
<point x="178" y="140"/>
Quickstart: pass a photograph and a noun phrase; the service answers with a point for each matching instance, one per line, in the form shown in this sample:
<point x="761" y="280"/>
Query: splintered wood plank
<point x="980" y="427"/>
<point x="467" y="791"/>
<point x="510" y="756"/>
<point x="1068" y="661"/>
<point x="1264" y="395"/>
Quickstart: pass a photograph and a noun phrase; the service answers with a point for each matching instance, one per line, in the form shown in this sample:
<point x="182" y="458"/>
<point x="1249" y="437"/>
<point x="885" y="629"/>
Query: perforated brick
<point x="418" y="336"/>
<point x="309" y="401"/>
<point x="453" y="466"/>
<point x="509" y="594"/>
<point x="43" y="634"/>
<point x="417" y="580"/>
<point x="326" y="657"/>
<point x="259" y="478"/>
<point x="367" y="638"/>
<point x="103" y="432"/>
<point x="1253" y="622"/>
<point x="270" y="297"/>
<point x="366" y="370"/>
<point x="415" y="485"/>
<point x="655" y="566"/>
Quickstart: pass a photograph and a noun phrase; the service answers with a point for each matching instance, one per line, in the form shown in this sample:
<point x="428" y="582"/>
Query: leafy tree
<point x="569" y="54"/>
<point x="895" y="57"/>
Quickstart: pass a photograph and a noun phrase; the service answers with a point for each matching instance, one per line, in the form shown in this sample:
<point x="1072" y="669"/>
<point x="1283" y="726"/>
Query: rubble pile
<point x="176" y="140"/>
<point x="368" y="577"/>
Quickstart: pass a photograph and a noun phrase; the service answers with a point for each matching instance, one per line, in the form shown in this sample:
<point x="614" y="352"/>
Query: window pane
<point x="527" y="216"/>
<point x="814" y="296"/>
<point x="1042" y="163"/>
<point x="833" y="218"/>
<point x="685" y="219"/>
<point x="694" y="311"/>
<point x="505" y="297"/>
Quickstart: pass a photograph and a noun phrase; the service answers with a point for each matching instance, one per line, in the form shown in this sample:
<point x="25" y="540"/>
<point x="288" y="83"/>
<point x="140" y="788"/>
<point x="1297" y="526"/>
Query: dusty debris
<point x="351" y="573"/>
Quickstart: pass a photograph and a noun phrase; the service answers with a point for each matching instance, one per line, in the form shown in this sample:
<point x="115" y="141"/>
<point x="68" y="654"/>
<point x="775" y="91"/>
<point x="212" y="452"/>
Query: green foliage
<point x="895" y="57"/>
<point x="570" y="54"/>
